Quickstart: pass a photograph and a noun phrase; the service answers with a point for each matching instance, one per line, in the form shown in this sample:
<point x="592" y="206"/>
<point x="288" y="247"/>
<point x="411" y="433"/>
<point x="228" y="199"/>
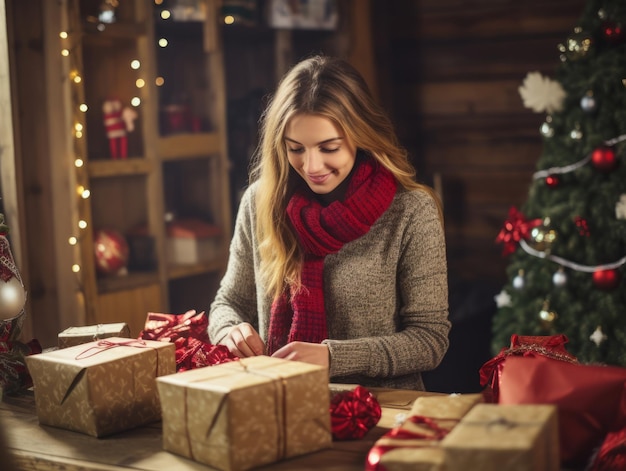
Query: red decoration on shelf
<point x="553" y="181"/>
<point x="606" y="279"/>
<point x="582" y="225"/>
<point x="118" y="121"/>
<point x="111" y="252"/>
<point x="353" y="413"/>
<point x="604" y="159"/>
<point x="516" y="228"/>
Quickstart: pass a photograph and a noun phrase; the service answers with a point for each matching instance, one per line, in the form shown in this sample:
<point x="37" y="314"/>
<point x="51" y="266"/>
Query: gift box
<point x="100" y="388"/>
<point x="496" y="437"/>
<point x="591" y="400"/>
<point x="78" y="335"/>
<point x="246" y="413"/>
<point x="192" y="241"/>
<point x="416" y="444"/>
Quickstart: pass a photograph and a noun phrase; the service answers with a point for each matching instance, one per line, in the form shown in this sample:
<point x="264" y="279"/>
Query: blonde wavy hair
<point x="331" y="88"/>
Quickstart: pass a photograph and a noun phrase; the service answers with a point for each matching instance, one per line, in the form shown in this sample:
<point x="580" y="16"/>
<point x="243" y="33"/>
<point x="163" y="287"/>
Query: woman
<point x="338" y="255"/>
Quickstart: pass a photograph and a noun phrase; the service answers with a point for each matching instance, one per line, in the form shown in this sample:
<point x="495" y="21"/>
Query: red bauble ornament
<point x="111" y="252"/>
<point x="604" y="159"/>
<point x="606" y="279"/>
<point x="553" y="181"/>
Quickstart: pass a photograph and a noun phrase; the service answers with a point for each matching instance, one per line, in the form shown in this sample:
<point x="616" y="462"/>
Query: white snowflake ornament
<point x="598" y="336"/>
<point x="620" y="207"/>
<point x="541" y="94"/>
<point x="503" y="299"/>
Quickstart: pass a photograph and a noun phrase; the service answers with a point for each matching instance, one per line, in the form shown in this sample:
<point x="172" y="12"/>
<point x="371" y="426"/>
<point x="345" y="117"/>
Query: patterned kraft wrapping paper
<point x="89" y="333"/>
<point x="247" y="413"/>
<point x="106" y="390"/>
<point x="425" y="454"/>
<point x="504" y="437"/>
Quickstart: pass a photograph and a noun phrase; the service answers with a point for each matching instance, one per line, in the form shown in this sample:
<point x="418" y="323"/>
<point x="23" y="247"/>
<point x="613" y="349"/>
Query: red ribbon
<point x="189" y="334"/>
<point x="353" y="413"/>
<point x="104" y="345"/>
<point x="377" y="451"/>
<point x="516" y="228"/>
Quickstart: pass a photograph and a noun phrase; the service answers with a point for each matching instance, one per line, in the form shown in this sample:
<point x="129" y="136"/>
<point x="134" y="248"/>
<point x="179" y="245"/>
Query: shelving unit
<point x="170" y="73"/>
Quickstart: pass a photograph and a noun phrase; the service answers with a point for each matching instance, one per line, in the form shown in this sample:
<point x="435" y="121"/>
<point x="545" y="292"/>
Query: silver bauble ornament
<point x="559" y="278"/>
<point x="12" y="298"/>
<point x="588" y="103"/>
<point x="518" y="281"/>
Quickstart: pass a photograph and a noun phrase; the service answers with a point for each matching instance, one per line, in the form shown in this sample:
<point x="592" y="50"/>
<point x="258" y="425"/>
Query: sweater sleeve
<point x="422" y="326"/>
<point x="235" y="301"/>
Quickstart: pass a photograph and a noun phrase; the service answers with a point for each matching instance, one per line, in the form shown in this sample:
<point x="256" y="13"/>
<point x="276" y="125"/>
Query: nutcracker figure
<point x="118" y="121"/>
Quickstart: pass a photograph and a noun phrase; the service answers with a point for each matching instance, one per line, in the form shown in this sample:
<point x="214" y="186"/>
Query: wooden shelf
<point x="116" y="168"/>
<point x="127" y="282"/>
<point x="182" y="271"/>
<point x="189" y="145"/>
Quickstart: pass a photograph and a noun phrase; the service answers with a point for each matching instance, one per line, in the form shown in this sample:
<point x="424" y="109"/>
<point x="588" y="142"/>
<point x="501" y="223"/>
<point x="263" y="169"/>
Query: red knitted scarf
<point x="300" y="315"/>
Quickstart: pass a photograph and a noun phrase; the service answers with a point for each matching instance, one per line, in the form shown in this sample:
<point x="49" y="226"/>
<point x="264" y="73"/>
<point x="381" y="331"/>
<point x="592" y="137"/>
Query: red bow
<point x="516" y="228"/>
<point x="353" y="413"/>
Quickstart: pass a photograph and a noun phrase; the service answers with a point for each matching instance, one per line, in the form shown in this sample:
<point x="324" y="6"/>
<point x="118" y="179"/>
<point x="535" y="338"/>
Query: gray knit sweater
<point x="385" y="294"/>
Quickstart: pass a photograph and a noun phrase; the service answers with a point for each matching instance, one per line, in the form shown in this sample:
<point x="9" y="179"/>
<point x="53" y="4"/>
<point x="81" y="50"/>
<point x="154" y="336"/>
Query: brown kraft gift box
<point x="415" y="446"/>
<point x="102" y="387"/>
<point x="238" y="415"/>
<point x="495" y="437"/>
<point x="89" y="333"/>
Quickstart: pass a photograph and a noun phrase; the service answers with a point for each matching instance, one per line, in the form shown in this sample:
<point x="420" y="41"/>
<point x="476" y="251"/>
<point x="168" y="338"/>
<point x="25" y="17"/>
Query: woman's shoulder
<point x="415" y="199"/>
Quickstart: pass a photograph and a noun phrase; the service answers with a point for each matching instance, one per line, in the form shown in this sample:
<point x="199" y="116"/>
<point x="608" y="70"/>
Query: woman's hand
<point x="243" y="341"/>
<point x="315" y="353"/>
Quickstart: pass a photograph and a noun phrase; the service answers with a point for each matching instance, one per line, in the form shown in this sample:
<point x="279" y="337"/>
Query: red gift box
<point x="591" y="400"/>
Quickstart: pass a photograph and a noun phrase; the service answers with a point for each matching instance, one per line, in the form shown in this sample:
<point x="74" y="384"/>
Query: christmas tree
<point x="567" y="243"/>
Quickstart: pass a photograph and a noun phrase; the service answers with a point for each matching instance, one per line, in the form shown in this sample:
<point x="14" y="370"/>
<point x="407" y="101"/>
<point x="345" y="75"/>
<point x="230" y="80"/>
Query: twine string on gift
<point x="104" y="345"/>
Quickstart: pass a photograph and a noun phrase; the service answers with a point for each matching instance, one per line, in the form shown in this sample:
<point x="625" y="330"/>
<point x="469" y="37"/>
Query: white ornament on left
<point x="12" y="298"/>
<point x="12" y="294"/>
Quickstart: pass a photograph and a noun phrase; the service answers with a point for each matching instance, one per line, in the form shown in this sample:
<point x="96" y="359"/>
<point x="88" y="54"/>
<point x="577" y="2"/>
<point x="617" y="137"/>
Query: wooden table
<point x="42" y="448"/>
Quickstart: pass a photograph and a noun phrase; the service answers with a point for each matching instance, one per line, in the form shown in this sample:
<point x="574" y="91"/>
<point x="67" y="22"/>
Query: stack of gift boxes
<point x="261" y="410"/>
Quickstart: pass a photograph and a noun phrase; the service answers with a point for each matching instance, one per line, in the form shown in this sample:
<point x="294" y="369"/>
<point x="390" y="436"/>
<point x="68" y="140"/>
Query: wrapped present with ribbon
<point x="591" y="402"/>
<point x="102" y="387"/>
<point x="246" y="413"/>
<point x="548" y="346"/>
<point x="78" y="335"/>
<point x="416" y="444"/>
<point x="188" y="332"/>
<point x="495" y="437"/>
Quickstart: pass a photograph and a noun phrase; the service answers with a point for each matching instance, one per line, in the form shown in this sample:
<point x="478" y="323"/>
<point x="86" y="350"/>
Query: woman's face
<point x="319" y="151"/>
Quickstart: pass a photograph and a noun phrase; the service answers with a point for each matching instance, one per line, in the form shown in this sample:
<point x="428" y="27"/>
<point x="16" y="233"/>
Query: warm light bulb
<point x="83" y="107"/>
<point x="76" y="268"/>
<point x="229" y="19"/>
<point x="77" y="79"/>
<point x="135" y="101"/>
<point x="78" y="134"/>
<point x="165" y="14"/>
<point x="82" y="224"/>
<point x="85" y="194"/>
<point x="159" y="81"/>
<point x="78" y="127"/>
<point x="135" y="64"/>
<point x="63" y="34"/>
<point x="158" y="2"/>
<point x="72" y="240"/>
<point x="139" y="83"/>
<point x="65" y="52"/>
<point x="78" y="163"/>
<point x="80" y="189"/>
<point x="163" y="42"/>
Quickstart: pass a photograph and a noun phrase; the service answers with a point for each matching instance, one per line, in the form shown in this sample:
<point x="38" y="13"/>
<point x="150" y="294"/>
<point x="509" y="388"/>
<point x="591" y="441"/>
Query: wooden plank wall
<point x="450" y="72"/>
